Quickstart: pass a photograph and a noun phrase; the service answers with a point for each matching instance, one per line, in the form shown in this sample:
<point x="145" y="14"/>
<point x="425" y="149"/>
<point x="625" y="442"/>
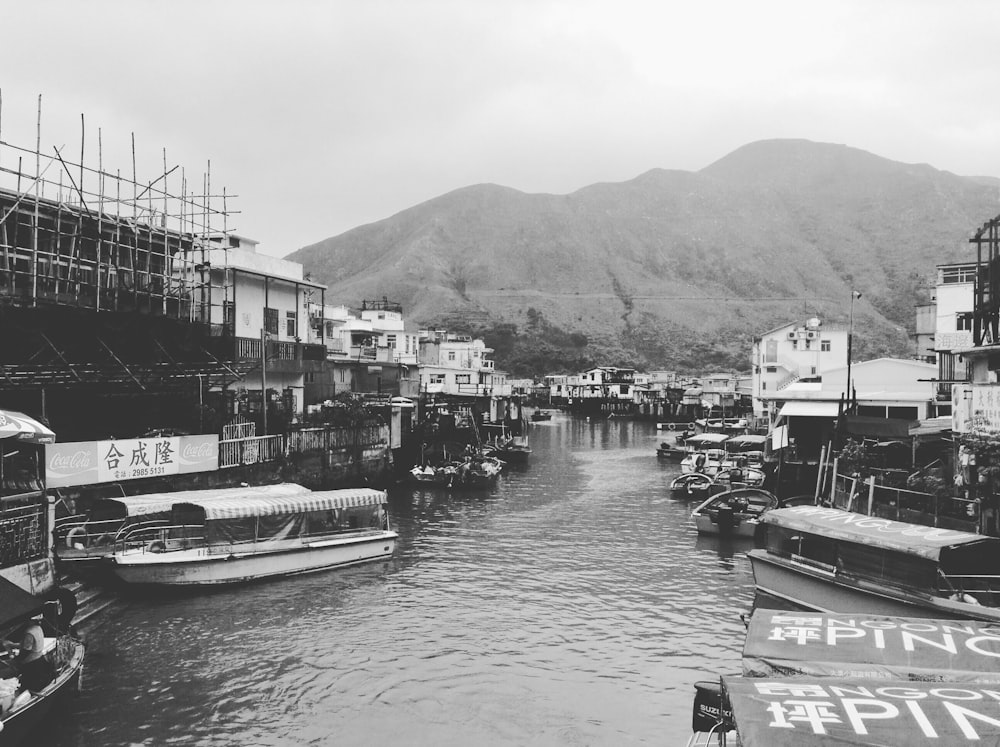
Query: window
<point x="951" y="275"/>
<point x="463" y="379"/>
<point x="963" y="321"/>
<point x="824" y="346"/>
<point x="795" y="344"/>
<point x="437" y="378"/>
<point x="271" y="321"/>
<point x="290" y="324"/>
<point x="228" y="314"/>
<point x="808" y="344"/>
<point x="772" y="369"/>
<point x="390" y="341"/>
<point x="451" y="355"/>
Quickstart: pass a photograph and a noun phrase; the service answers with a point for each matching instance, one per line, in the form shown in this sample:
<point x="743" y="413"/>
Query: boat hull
<point x="816" y="589"/>
<point x="705" y="525"/>
<point x="198" y="568"/>
<point x="18" y="725"/>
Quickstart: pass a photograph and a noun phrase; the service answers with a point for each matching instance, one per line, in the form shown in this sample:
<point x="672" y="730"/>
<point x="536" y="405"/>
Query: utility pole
<point x="850" y="345"/>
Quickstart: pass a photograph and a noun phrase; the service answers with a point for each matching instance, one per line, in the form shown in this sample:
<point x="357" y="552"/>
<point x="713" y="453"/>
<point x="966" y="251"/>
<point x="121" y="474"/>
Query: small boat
<point x="705" y="453"/>
<point x="475" y="471"/>
<point x="540" y="415"/>
<point x="514" y="450"/>
<point x="82" y="543"/>
<point x="43" y="665"/>
<point x="830" y="560"/>
<point x="667" y="450"/>
<point x="690" y="486"/>
<point x="734" y="513"/>
<point x="253" y="537"/>
<point x="739" y="477"/>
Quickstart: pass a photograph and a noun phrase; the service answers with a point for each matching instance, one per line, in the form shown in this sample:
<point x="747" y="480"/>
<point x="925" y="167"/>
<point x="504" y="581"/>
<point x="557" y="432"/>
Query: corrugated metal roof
<point x="809" y="409"/>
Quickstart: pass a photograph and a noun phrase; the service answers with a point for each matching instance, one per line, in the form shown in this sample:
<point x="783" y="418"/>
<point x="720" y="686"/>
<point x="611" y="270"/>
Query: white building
<point x="458" y="364"/>
<point x="794" y="352"/>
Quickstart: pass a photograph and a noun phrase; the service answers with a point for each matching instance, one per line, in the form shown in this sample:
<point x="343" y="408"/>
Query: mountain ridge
<point x="672" y="268"/>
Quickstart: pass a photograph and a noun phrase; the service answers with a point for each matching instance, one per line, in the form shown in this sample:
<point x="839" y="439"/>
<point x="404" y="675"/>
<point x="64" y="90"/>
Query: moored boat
<point x="733" y="513"/>
<point x="922" y="681"/>
<point x="690" y="486"/>
<point x="40" y="665"/>
<point x="541" y="415"/>
<point x="255" y="537"/>
<point x="83" y="543"/>
<point x="705" y="453"/>
<point x="830" y="560"/>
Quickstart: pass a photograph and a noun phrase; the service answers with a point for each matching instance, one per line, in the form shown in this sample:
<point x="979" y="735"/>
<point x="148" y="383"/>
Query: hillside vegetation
<point x="673" y="269"/>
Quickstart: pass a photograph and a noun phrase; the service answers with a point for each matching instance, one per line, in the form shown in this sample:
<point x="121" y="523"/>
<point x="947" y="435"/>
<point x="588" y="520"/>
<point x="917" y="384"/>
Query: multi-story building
<point x="794" y="352"/>
<point x="458" y="365"/>
<point x="954" y="298"/>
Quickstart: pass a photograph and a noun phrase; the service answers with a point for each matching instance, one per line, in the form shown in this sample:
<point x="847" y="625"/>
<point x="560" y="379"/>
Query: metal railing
<point x="235" y="452"/>
<point x="866" y="496"/>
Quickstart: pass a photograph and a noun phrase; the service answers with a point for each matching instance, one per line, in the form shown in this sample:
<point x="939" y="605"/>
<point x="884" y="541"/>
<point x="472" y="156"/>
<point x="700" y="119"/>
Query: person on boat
<point x="29" y="663"/>
<point x="699" y="462"/>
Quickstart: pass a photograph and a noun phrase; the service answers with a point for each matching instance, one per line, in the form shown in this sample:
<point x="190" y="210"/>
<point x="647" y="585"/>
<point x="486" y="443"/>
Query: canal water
<point x="571" y="604"/>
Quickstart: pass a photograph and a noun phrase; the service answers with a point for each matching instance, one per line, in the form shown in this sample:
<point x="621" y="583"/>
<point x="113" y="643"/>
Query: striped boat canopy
<point x="261" y="505"/>
<point x="153" y="503"/>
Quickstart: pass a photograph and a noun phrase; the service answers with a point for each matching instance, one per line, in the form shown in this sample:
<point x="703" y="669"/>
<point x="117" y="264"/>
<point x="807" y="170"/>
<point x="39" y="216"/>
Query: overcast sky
<point x="321" y="116"/>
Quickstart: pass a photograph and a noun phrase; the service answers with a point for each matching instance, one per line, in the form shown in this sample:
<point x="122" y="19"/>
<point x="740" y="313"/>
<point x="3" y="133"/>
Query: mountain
<point x="672" y="269"/>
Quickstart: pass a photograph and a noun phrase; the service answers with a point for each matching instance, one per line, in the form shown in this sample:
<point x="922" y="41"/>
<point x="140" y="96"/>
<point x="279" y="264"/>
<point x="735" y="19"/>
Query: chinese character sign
<point x="92" y="462"/>
<point x="986" y="408"/>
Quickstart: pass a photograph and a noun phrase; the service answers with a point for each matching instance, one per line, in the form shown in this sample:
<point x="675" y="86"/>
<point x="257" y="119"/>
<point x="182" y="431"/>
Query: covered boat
<point x="830" y="560"/>
<point x="540" y="415"/>
<point x="733" y="513"/>
<point x="81" y="542"/>
<point x="39" y="662"/>
<point x="705" y="453"/>
<point x="864" y="657"/>
<point x="252" y="537"/>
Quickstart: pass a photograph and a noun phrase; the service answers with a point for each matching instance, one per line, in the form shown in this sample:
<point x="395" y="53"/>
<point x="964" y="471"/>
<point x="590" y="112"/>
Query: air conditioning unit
<point x="792" y="335"/>
<point x="812" y="334"/>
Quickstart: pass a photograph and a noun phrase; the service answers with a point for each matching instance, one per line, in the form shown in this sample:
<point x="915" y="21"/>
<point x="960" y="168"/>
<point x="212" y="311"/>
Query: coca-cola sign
<point x="94" y="462"/>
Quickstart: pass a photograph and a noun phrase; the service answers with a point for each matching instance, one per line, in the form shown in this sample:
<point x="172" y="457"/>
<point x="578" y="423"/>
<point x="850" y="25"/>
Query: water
<point x="572" y="604"/>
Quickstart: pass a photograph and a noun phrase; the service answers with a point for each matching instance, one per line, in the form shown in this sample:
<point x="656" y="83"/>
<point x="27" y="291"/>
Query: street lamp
<point x="850" y="343"/>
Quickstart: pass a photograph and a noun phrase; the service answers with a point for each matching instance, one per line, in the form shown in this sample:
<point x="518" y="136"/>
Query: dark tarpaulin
<point x="16" y="604"/>
<point x="781" y="643"/>
<point x="880" y="428"/>
<point x="815" y="711"/>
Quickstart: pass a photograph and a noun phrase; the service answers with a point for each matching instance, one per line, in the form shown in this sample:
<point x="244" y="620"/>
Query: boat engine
<point x="709" y="711"/>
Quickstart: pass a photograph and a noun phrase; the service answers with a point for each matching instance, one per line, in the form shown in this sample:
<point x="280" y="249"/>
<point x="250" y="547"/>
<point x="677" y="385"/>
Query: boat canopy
<point x="886" y="534"/>
<point x="820" y="711"/>
<point x="24" y="428"/>
<point x="263" y="505"/>
<point x="131" y="506"/>
<point x="706" y="439"/>
<point x="781" y="644"/>
<point x="748" y="442"/>
<point x="16" y="604"/>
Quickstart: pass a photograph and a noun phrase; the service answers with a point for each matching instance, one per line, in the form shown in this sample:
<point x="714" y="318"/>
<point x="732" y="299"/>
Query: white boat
<point x="829" y="560"/>
<point x="83" y="542"/>
<point x="253" y="537"/>
<point x="733" y="513"/>
<point x="705" y="453"/>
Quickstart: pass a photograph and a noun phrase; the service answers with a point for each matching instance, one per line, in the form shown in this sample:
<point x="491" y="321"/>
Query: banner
<point x="93" y="462"/>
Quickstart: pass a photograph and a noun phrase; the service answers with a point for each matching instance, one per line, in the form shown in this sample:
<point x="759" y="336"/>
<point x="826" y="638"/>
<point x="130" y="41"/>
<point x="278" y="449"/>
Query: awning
<point x="783" y="644"/>
<point x="23" y="428"/>
<point x="257" y="505"/>
<point x="800" y="408"/>
<point x="161" y="503"/>
<point x="932" y="426"/>
<point x="885" y="534"/>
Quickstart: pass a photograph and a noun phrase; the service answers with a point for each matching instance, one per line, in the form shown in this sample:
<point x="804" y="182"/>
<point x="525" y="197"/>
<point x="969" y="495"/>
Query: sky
<point x="320" y="116"/>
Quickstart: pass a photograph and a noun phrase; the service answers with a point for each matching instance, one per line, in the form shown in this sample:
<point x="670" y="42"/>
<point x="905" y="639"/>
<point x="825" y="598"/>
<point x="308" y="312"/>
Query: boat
<point x="514" y="450"/>
<point x="541" y="415"/>
<point x="830" y="560"/>
<point x="474" y="471"/>
<point x="690" y="486"/>
<point x="705" y="452"/>
<point x="745" y="450"/>
<point x="42" y="665"/>
<point x="896" y="671"/>
<point x="733" y="513"/>
<point x="82" y="543"/>
<point x="673" y="452"/>
<point x="254" y="537"/>
<point x="738" y="477"/>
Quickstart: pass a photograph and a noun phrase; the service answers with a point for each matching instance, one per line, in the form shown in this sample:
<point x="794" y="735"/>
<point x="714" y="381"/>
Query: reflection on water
<point x="572" y="603"/>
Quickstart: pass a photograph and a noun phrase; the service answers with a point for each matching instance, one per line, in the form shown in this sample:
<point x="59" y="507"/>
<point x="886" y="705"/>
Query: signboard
<point x="985" y="408"/>
<point x="961" y="408"/>
<point x="92" y="462"/>
<point x="822" y="711"/>
<point x="961" y="340"/>
<point x="781" y="643"/>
